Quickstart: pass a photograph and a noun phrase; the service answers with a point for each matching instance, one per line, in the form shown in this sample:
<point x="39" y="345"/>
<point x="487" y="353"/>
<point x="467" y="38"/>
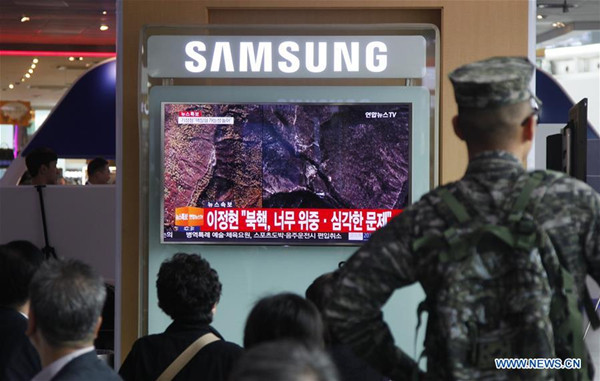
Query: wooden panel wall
<point x="469" y="29"/>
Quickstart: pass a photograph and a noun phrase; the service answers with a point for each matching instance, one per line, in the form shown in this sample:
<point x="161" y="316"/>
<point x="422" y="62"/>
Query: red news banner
<point x="284" y="220"/>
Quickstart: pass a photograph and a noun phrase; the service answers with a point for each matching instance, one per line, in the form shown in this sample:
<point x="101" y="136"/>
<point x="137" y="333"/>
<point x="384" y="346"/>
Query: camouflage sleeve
<point x="570" y="210"/>
<point x="366" y="282"/>
<point x="592" y="239"/>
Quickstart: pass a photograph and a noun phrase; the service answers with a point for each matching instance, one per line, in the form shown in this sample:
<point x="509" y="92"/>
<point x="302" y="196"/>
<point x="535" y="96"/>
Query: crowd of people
<point x="502" y="255"/>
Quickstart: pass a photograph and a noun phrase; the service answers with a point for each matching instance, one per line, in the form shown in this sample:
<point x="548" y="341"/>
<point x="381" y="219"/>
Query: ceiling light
<point x="33" y="66"/>
<point x="35" y="60"/>
<point x="23" y="79"/>
<point x="30" y="71"/>
<point x="103" y="27"/>
<point x="71" y="58"/>
<point x="540" y="17"/>
<point x="80" y="58"/>
<point x="103" y="12"/>
<point x="27" y="75"/>
<point x="25" y="18"/>
<point x="11" y="86"/>
<point x="558" y="24"/>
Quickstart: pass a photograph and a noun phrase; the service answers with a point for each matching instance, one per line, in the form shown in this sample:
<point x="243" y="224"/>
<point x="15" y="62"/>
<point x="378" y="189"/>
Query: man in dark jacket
<point x="66" y="306"/>
<point x="18" y="358"/>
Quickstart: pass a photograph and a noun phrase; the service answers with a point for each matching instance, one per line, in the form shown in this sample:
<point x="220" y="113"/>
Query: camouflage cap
<point x="493" y="82"/>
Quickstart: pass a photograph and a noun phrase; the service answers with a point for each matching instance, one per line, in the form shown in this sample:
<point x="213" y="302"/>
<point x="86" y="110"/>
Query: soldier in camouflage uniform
<point x="496" y="119"/>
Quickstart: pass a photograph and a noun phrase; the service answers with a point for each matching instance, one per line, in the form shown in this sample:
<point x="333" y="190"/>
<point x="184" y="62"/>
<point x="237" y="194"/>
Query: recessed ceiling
<point x="560" y="17"/>
<point x="55" y="23"/>
<point x="55" y="26"/>
<point x="74" y="25"/>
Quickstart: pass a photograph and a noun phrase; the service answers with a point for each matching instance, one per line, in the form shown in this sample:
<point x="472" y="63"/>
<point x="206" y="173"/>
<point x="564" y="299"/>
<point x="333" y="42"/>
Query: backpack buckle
<point x="525" y="227"/>
<point x="451" y="235"/>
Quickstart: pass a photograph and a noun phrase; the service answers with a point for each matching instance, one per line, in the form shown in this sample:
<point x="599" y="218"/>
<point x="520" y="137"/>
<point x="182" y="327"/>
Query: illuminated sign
<point x="286" y="56"/>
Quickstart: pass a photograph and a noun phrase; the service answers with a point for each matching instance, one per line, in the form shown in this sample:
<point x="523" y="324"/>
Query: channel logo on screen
<point x="380" y="115"/>
<point x="189" y="216"/>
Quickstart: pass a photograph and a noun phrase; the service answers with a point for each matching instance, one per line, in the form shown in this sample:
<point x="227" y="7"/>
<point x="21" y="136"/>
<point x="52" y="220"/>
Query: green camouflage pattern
<point x="493" y="82"/>
<point x="490" y="297"/>
<point x="569" y="212"/>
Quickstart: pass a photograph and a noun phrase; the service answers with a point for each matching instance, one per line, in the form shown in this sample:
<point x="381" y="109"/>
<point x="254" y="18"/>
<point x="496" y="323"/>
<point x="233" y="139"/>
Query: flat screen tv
<point x="575" y="142"/>
<point x="300" y="173"/>
<point x="567" y="151"/>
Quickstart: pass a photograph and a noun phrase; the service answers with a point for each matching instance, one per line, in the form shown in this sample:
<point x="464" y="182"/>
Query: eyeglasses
<point x="536" y="107"/>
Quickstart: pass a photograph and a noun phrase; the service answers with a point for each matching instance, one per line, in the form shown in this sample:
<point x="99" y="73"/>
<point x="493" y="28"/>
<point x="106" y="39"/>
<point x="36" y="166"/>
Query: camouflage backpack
<point x="499" y="291"/>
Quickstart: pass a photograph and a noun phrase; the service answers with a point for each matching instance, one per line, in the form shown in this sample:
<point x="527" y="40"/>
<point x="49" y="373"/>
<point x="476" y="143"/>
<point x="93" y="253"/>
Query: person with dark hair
<point x="98" y="171"/>
<point x="67" y="297"/>
<point x="284" y="360"/>
<point x="350" y="367"/>
<point x="19" y="260"/>
<point x="284" y="316"/>
<point x="41" y="165"/>
<point x="188" y="291"/>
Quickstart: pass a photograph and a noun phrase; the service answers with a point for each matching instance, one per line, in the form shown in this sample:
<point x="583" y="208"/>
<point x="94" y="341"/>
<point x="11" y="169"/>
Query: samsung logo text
<point x="287" y="57"/>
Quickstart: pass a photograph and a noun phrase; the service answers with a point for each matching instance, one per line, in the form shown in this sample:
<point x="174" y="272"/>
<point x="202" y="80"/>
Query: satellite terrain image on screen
<point x="286" y="156"/>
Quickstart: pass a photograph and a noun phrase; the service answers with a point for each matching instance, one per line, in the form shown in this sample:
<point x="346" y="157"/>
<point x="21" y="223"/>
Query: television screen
<point x="567" y="151"/>
<point x="576" y="136"/>
<point x="283" y="173"/>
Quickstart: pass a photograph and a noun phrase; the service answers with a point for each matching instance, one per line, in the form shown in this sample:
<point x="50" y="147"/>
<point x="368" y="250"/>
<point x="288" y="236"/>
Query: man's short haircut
<point x="96" y="165"/>
<point x="284" y="361"/>
<point x="284" y="316"/>
<point x="492" y="126"/>
<point x="66" y="298"/>
<point x="188" y="288"/>
<point x="38" y="157"/>
<point x="19" y="260"/>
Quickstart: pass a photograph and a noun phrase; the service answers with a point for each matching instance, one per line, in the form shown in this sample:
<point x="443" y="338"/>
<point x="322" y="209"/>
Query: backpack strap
<point x="533" y="181"/>
<point x="565" y="281"/>
<point x="449" y="235"/>
<point x="455" y="206"/>
<point x="590" y="310"/>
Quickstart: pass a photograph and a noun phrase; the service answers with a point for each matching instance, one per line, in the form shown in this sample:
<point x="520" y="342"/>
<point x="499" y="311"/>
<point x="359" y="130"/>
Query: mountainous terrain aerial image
<point x="286" y="156"/>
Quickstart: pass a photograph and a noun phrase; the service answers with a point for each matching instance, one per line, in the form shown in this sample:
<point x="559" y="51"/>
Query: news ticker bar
<point x="282" y="220"/>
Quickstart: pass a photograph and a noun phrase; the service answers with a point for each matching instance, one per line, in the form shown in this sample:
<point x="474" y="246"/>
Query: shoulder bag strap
<point x="186" y="356"/>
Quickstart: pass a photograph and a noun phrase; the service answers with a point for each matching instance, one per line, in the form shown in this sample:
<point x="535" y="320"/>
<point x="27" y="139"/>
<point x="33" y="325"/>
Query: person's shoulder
<point x="12" y="326"/>
<point x="561" y="185"/>
<point x="150" y="338"/>
<point x="427" y="203"/>
<point x="86" y="367"/>
<point x="226" y="347"/>
<point x="148" y="343"/>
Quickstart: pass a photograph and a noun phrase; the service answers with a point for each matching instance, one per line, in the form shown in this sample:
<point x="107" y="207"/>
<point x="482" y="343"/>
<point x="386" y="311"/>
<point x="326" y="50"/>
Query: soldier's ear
<point x="456" y="127"/>
<point x="528" y="130"/>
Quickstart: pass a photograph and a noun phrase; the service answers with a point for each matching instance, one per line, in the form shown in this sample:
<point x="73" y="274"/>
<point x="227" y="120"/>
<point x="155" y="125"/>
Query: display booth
<point x="275" y="151"/>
